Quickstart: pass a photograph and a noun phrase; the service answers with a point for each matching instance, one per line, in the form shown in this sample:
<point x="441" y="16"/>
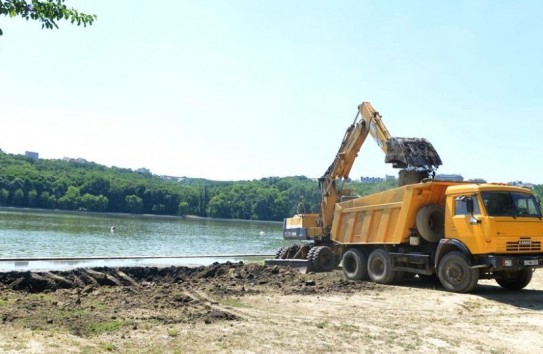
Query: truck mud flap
<point x="300" y="264"/>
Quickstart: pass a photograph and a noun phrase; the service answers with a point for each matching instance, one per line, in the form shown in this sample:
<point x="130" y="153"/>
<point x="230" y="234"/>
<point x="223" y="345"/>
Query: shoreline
<point x="109" y="213"/>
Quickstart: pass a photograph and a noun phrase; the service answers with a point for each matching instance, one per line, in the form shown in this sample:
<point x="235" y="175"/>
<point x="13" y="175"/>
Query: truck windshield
<point x="510" y="204"/>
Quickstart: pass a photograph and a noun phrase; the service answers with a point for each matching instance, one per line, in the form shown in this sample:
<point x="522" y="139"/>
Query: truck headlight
<point x="507" y="262"/>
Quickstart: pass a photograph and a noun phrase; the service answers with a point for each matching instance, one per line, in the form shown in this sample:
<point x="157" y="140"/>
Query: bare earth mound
<point x="254" y="308"/>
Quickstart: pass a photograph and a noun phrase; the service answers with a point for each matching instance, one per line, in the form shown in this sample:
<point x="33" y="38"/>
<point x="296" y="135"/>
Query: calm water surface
<point x="31" y="234"/>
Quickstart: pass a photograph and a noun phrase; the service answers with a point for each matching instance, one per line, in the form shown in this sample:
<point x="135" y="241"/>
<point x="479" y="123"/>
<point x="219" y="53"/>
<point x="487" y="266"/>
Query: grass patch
<point x="233" y="302"/>
<point x="172" y="332"/>
<point x="110" y="347"/>
<point x="472" y="305"/>
<point x="103" y="327"/>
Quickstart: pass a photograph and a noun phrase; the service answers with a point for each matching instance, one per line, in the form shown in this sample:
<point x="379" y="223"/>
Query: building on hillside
<point x="477" y="180"/>
<point x="521" y="184"/>
<point x="75" y="160"/>
<point x="172" y="178"/>
<point x="449" y="177"/>
<point x="32" y="155"/>
<point x="144" y="171"/>
<point x="371" y="179"/>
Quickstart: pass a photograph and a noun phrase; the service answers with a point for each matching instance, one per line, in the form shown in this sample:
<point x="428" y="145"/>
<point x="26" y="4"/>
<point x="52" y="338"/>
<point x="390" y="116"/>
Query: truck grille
<point x="523" y="245"/>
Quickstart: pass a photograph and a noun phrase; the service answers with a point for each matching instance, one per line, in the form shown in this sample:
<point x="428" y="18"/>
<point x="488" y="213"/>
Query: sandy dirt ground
<point x="250" y="308"/>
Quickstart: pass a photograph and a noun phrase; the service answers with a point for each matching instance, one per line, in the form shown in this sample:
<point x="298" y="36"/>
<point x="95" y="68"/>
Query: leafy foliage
<point x="71" y="185"/>
<point x="47" y="12"/>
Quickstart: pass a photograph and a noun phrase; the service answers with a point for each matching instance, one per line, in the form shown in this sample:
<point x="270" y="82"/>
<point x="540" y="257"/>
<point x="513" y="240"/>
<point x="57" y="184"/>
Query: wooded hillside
<point x="72" y="185"/>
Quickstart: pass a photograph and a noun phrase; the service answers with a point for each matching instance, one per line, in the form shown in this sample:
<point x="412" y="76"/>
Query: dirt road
<point x="252" y="308"/>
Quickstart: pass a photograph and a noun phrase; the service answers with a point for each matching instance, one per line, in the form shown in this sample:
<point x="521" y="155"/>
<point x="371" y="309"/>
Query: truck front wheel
<point x="516" y="280"/>
<point x="380" y="267"/>
<point x="355" y="264"/>
<point x="455" y="273"/>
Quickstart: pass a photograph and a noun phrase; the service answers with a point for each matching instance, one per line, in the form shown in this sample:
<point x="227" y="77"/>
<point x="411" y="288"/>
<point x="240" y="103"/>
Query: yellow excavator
<point x="416" y="157"/>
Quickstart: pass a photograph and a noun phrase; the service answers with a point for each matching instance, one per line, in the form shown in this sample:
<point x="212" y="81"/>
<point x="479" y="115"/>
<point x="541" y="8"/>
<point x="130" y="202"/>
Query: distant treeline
<point x="59" y="184"/>
<point x="72" y="185"/>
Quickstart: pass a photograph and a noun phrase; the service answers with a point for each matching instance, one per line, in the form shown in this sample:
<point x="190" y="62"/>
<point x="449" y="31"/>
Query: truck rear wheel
<point x="355" y="264"/>
<point x="431" y="222"/>
<point x="322" y="259"/>
<point x="456" y="274"/>
<point x="380" y="267"/>
<point x="516" y="280"/>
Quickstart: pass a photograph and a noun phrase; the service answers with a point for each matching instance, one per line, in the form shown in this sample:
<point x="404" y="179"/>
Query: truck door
<point x="466" y="226"/>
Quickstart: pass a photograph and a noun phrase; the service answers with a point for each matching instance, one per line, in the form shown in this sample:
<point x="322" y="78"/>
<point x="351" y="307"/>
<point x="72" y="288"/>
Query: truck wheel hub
<point x="455" y="273"/>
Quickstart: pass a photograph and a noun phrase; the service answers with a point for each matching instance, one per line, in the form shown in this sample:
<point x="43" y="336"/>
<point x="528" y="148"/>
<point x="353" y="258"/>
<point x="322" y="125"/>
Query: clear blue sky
<point x="237" y="90"/>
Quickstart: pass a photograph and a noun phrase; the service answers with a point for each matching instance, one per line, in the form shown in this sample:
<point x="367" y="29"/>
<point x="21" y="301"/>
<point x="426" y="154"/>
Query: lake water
<point x="37" y="234"/>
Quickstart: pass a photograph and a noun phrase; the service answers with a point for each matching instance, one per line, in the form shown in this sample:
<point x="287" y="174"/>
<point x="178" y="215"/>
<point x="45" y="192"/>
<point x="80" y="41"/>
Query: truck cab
<point x="494" y="219"/>
<point x="493" y="231"/>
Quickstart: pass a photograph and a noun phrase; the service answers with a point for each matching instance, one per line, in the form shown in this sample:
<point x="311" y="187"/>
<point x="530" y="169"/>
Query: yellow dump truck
<point x="459" y="232"/>
<point x="452" y="231"/>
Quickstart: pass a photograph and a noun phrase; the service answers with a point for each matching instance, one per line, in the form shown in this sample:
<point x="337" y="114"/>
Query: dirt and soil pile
<point x="80" y="300"/>
<point x="224" y="277"/>
<point x="236" y="307"/>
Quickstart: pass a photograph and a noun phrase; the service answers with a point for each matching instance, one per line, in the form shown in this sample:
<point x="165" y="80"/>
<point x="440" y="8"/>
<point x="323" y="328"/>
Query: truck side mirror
<point x="469" y="205"/>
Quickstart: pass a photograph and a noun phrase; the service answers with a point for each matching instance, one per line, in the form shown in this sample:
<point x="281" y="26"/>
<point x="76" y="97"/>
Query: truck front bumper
<point x="513" y="262"/>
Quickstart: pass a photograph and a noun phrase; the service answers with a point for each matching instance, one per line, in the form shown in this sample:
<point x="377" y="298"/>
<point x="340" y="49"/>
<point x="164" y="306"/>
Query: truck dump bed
<point x="386" y="217"/>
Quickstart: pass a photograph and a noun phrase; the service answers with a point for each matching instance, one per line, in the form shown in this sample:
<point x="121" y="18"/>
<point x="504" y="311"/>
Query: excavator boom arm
<point x="407" y="153"/>
<point x="377" y="128"/>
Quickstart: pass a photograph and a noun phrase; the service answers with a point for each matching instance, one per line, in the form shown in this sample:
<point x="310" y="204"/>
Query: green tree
<point x="48" y="12"/>
<point x="32" y="198"/>
<point x="93" y="202"/>
<point x="4" y="196"/>
<point x="134" y="203"/>
<point x="71" y="199"/>
<point x="158" y="209"/>
<point x="95" y="184"/>
<point x="46" y="200"/>
<point x="183" y="208"/>
<point x="18" y="197"/>
<point x="219" y="206"/>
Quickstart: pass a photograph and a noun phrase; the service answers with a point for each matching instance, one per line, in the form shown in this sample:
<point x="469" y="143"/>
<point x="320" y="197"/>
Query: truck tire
<point x="380" y="267"/>
<point x="516" y="280"/>
<point x="322" y="259"/>
<point x="431" y="222"/>
<point x="456" y="274"/>
<point x="355" y="264"/>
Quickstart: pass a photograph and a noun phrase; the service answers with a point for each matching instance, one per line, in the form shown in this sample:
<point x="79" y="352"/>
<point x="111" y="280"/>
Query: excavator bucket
<point x="412" y="152"/>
